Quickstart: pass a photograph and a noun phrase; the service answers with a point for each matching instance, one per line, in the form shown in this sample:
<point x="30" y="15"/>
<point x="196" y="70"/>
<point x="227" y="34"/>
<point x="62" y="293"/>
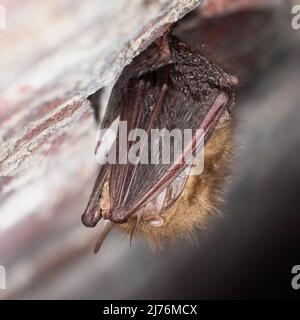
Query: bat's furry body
<point x="201" y="198"/>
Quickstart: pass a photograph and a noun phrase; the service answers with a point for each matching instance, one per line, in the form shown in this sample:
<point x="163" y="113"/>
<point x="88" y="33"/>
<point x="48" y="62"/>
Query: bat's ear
<point x="95" y="100"/>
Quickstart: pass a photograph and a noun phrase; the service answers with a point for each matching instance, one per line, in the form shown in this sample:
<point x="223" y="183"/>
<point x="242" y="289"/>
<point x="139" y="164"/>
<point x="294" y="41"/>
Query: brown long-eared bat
<point x="170" y="85"/>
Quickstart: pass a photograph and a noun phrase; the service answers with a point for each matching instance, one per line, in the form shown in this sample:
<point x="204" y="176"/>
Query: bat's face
<point x="168" y="87"/>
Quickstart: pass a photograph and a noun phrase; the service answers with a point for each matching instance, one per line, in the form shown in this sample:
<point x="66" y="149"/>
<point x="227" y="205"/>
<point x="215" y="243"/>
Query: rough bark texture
<point x="54" y="54"/>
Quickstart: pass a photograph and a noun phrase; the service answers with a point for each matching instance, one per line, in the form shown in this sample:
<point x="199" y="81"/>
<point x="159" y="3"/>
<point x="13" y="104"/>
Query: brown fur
<point x="201" y="198"/>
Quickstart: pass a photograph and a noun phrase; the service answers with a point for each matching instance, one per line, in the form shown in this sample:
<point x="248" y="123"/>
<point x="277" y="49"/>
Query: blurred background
<point x="53" y="56"/>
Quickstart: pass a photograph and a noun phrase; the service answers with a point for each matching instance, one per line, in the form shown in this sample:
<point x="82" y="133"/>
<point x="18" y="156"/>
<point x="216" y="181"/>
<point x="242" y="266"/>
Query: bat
<point x="170" y="85"/>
